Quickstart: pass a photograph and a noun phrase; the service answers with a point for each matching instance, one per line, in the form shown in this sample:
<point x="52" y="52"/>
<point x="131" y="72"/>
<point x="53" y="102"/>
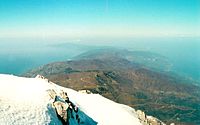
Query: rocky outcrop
<point x="61" y="110"/>
<point x="64" y="108"/>
<point x="148" y="120"/>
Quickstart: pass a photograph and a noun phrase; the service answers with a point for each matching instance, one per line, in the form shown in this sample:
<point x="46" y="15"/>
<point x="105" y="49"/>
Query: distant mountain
<point x="131" y="78"/>
<point x="143" y="58"/>
<point x="38" y="101"/>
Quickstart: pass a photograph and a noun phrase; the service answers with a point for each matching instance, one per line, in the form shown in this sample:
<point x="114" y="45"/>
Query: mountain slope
<point x="165" y="96"/>
<point x="26" y="101"/>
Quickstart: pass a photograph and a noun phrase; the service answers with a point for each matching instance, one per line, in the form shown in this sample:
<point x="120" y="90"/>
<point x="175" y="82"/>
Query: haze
<point x="30" y="30"/>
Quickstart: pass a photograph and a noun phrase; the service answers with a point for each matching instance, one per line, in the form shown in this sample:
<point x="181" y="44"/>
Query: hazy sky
<point x="55" y="19"/>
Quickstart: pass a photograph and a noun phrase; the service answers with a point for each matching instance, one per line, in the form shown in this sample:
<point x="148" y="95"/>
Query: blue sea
<point x="16" y="58"/>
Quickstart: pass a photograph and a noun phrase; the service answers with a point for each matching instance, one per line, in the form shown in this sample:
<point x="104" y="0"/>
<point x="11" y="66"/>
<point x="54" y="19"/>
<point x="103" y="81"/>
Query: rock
<point x="42" y="77"/>
<point x="65" y="109"/>
<point x="52" y="93"/>
<point x="148" y="120"/>
<point x="85" y="91"/>
<point x="141" y="115"/>
<point x="154" y="121"/>
<point x="61" y="109"/>
<point x="64" y="96"/>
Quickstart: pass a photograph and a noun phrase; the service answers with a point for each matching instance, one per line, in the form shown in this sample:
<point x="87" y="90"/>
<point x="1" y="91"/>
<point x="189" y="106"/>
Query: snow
<point x="104" y="111"/>
<point x="26" y="101"/>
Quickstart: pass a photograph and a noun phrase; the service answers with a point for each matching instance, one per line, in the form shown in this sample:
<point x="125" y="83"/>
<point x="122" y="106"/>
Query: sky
<point x="60" y="19"/>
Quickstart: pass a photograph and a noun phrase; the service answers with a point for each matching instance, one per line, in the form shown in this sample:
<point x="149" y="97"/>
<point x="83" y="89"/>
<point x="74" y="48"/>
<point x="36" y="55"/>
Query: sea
<point x="18" y="57"/>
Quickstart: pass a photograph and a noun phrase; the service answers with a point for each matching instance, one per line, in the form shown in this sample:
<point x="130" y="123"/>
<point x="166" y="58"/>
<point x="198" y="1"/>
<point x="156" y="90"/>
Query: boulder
<point x="61" y="109"/>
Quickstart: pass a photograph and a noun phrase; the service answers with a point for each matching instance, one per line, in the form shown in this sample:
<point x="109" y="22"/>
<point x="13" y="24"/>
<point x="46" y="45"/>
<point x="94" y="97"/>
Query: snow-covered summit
<point x="27" y="101"/>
